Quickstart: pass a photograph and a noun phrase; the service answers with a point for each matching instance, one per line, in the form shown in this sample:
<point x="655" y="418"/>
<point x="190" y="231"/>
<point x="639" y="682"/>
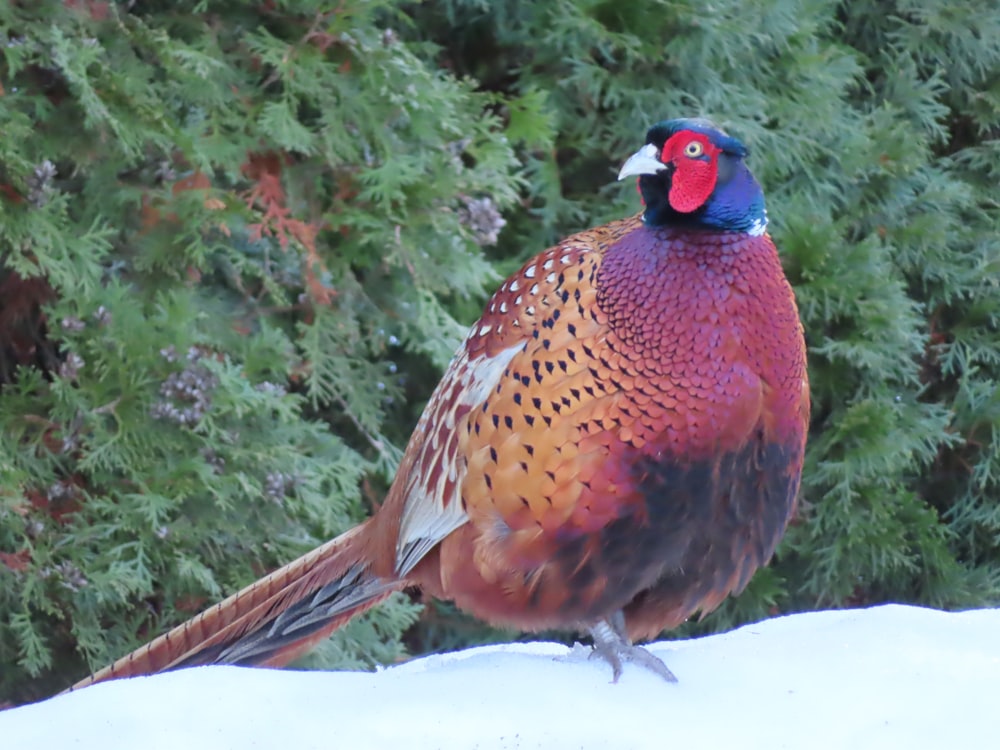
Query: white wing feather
<point x="431" y="512"/>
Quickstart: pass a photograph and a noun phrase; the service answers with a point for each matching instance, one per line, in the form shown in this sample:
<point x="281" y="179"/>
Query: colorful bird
<point x="616" y="446"/>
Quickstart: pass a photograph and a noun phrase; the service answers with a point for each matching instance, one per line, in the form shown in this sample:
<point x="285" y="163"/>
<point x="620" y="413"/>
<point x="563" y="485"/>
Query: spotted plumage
<point x="616" y="446"/>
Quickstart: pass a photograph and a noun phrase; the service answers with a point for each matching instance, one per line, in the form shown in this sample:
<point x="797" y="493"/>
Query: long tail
<point x="272" y="621"/>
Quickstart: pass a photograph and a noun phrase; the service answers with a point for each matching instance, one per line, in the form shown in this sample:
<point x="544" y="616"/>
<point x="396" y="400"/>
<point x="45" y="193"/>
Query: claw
<point x="612" y="644"/>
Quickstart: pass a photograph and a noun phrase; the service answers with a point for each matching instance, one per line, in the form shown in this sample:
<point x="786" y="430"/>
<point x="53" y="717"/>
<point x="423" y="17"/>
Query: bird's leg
<point x="612" y="644"/>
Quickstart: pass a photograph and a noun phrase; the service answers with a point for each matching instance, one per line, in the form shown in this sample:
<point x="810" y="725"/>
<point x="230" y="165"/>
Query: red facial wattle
<point x="696" y="170"/>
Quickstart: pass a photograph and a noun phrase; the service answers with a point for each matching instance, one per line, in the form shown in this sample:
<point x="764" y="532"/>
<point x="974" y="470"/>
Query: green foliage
<point x="219" y="231"/>
<point x="240" y="242"/>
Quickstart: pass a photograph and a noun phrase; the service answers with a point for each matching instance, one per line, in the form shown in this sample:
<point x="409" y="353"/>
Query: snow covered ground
<point x="887" y="677"/>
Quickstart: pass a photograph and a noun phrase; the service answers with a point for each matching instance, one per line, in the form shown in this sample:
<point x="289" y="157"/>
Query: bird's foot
<point x="612" y="645"/>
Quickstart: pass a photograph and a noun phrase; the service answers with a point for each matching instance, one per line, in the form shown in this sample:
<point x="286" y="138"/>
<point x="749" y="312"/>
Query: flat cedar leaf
<point x="278" y="123"/>
<point x="34" y="655"/>
<point x="530" y="120"/>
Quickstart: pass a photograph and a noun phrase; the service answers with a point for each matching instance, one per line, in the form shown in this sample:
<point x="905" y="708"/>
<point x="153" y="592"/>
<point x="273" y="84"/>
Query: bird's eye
<point x="694" y="149"/>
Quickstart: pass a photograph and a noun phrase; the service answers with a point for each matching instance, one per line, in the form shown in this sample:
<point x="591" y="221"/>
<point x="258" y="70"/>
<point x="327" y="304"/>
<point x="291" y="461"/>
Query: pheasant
<point x="616" y="446"/>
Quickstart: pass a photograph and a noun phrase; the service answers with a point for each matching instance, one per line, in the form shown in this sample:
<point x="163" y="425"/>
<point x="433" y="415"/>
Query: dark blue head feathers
<point x="692" y="174"/>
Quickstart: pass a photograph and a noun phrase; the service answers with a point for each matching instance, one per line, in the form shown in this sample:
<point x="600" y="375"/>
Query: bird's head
<point x="691" y="174"/>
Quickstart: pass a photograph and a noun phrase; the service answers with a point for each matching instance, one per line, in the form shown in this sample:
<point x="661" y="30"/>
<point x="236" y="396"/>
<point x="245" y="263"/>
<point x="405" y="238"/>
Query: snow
<point x="886" y="677"/>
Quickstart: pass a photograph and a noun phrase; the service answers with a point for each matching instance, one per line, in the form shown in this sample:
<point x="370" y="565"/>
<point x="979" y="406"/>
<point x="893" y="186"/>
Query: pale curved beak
<point x="643" y="161"/>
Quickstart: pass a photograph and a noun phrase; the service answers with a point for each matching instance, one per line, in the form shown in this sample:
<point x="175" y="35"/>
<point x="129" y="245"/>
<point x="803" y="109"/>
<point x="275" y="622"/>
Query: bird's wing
<point x="435" y="465"/>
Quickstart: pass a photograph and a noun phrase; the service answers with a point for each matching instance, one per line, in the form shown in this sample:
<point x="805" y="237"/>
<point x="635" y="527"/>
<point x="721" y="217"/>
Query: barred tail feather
<point x="271" y="621"/>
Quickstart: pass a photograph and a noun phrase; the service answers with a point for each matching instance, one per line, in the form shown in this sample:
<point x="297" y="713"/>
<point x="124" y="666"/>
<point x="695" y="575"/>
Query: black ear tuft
<point x="659" y="133"/>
